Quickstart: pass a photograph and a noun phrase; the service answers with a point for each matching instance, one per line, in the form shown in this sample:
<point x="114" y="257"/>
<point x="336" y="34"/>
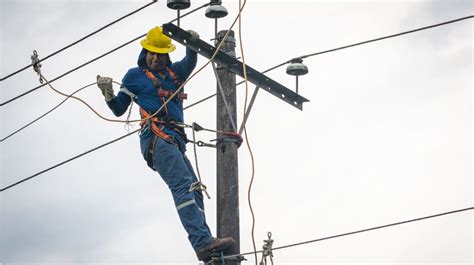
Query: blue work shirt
<point x="137" y="82"/>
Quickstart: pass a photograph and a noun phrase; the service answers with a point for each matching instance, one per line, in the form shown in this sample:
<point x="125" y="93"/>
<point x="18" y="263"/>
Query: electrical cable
<point x="382" y="38"/>
<point x="358" y="231"/>
<point x="93" y="60"/>
<point x="49" y="111"/>
<point x="81" y="39"/>
<point x="87" y="104"/>
<point x="345" y="47"/>
<point x="178" y="90"/>
<point x="70" y="71"/>
<point x="68" y="160"/>
<point x="200" y="101"/>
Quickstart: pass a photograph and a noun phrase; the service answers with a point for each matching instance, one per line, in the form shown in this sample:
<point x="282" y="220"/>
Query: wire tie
<point x="36" y="65"/>
<point x="267" y="249"/>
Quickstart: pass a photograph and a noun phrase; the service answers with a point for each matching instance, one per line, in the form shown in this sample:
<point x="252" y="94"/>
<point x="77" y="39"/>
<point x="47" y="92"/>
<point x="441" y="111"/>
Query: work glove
<point x="105" y="85"/>
<point x="194" y="34"/>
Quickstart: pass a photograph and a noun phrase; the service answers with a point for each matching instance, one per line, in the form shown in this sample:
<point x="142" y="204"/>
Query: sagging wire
<point x="49" y="111"/>
<point x="37" y="68"/>
<point x="246" y="133"/>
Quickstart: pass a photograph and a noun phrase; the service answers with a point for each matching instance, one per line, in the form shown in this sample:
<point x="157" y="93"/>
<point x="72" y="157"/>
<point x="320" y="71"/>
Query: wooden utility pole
<point x="228" y="224"/>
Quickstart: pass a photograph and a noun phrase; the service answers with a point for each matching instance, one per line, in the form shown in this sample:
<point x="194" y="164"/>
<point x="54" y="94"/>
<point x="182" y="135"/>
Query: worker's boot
<point x="216" y="245"/>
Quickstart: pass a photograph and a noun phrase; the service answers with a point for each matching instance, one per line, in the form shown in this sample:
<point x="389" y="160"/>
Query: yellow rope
<point x="241" y="6"/>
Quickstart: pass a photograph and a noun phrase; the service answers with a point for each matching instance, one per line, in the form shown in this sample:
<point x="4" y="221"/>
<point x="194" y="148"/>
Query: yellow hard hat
<point x="158" y="42"/>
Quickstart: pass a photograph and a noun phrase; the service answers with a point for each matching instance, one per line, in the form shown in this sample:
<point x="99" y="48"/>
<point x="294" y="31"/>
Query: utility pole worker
<point x="163" y="145"/>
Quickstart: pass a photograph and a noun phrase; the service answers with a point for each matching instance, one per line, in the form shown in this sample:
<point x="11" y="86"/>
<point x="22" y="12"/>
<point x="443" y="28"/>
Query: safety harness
<point x="156" y="124"/>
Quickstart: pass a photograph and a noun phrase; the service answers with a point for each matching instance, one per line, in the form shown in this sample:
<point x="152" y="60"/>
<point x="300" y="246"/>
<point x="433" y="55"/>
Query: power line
<point x="69" y="160"/>
<point x="345" y="47"/>
<point x="385" y="37"/>
<point x="95" y="59"/>
<point x="81" y="39"/>
<point x="200" y="101"/>
<point x="357" y="232"/>
<point x="46" y="113"/>
<point x="72" y="70"/>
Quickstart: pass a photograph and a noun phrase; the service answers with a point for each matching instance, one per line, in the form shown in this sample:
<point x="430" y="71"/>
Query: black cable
<point x="358" y="231"/>
<point x="81" y="39"/>
<point x="200" y="101"/>
<point x="349" y="46"/>
<point x="95" y="59"/>
<point x="386" y="37"/>
<point x="72" y="70"/>
<point x="49" y="111"/>
<point x="70" y="159"/>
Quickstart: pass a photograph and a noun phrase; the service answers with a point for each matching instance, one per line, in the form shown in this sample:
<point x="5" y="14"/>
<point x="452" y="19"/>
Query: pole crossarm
<point x="234" y="65"/>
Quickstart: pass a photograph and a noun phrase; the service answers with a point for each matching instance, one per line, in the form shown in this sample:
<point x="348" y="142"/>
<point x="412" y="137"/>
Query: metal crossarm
<point x="234" y="65"/>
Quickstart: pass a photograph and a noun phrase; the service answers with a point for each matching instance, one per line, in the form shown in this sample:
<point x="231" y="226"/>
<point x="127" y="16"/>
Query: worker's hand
<point x="194" y="34"/>
<point x="105" y="85"/>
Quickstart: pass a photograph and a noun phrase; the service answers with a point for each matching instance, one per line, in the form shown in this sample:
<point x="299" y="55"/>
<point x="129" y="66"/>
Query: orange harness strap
<point x="163" y="92"/>
<point x="153" y="125"/>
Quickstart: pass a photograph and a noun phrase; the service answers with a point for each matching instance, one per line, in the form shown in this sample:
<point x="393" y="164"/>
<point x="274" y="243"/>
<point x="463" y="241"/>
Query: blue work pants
<point x="175" y="169"/>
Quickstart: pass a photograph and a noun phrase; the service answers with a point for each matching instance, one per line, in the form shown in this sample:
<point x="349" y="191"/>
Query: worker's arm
<point x="185" y="67"/>
<point x="119" y="104"/>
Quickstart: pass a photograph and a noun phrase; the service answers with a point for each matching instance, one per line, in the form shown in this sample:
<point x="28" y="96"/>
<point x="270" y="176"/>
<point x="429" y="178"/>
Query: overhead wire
<point x="68" y="160"/>
<point x="80" y="40"/>
<point x="87" y="104"/>
<point x="357" y="231"/>
<point x="93" y="60"/>
<point x="47" y="112"/>
<point x="342" y="48"/>
<point x="178" y="90"/>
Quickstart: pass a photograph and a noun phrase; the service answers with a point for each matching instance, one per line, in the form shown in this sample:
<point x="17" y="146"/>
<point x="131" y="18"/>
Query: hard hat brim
<point x="154" y="49"/>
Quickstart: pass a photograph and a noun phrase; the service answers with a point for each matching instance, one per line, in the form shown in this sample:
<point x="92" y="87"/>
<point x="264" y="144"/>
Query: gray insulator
<point x="216" y="11"/>
<point x="178" y="4"/>
<point x="297" y="67"/>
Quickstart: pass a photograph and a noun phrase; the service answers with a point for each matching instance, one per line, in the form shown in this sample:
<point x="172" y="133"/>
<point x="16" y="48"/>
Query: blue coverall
<point x="169" y="159"/>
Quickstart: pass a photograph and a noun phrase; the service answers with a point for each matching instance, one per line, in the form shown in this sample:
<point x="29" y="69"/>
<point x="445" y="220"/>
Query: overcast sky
<point x="386" y="136"/>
